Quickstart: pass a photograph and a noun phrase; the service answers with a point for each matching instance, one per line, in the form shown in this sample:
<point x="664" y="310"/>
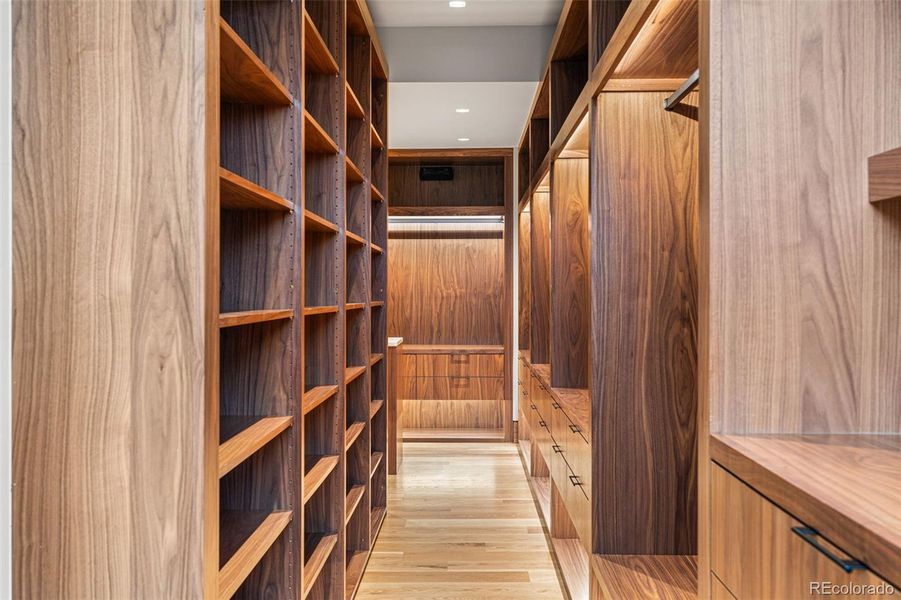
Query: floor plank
<point x="461" y="525"/>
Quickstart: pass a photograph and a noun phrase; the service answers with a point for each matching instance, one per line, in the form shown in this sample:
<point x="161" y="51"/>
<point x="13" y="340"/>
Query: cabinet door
<point x="758" y="554"/>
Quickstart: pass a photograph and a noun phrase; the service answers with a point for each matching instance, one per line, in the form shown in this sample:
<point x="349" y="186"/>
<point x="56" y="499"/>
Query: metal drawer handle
<point x="557" y="449"/>
<point x="543" y="424"/>
<point x="573" y="428"/>
<point x="555" y="405"/>
<point x="810" y="536"/>
<point x="533" y="407"/>
<point x="574" y="479"/>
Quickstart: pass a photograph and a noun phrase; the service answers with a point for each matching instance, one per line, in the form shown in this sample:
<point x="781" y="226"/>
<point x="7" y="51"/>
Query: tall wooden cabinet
<point x="220" y="190"/>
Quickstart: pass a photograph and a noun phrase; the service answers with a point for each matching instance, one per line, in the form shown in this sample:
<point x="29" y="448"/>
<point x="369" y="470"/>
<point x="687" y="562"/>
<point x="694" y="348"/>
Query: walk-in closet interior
<point x="607" y="311"/>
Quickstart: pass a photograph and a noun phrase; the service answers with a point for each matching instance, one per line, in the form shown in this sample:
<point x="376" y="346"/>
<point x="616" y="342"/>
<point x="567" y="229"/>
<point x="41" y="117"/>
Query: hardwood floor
<point x="461" y="525"/>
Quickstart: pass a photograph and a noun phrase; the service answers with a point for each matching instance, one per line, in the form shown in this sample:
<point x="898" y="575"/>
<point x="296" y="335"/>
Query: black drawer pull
<point x="573" y="428"/>
<point x="810" y="536"/>
<point x="557" y="449"/>
<point x="555" y="405"/>
<point x="574" y="479"/>
<point x="533" y="407"/>
<point x="543" y="424"/>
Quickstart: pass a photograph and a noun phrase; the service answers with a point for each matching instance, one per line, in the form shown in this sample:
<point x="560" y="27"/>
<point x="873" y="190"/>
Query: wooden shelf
<point x="375" y="357"/>
<point x="244" y="435"/>
<point x="377" y="303"/>
<point x="237" y="193"/>
<point x="352" y="501"/>
<point x="376" y="138"/>
<point x="354" y="108"/>
<point x="319" y="310"/>
<point x="316" y="139"/>
<point x="376" y="461"/>
<point x="317" y="57"/>
<point x="352" y="433"/>
<point x="573" y="561"/>
<point x="355" y="306"/>
<point x="352" y="172"/>
<point x="446" y="211"/>
<point x="321" y="546"/>
<point x="376" y="194"/>
<point x="376" y="249"/>
<point x="243" y="76"/>
<point x="245" y="537"/>
<point x="352" y="373"/>
<point x="249" y="317"/>
<point x="374" y="407"/>
<point x="315" y="396"/>
<point x="322" y="467"/>
<point x="313" y="222"/>
<point x="376" y="517"/>
<point x="353" y="238"/>
<point x="354" y="573"/>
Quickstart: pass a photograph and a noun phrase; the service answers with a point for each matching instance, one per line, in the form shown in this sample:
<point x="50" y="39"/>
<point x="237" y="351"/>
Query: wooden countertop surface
<point x="576" y="402"/>
<point x="847" y="487"/>
<point x="452" y="349"/>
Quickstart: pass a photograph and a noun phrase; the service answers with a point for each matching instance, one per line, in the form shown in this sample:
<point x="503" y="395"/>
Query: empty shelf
<point x="354" y="572"/>
<point x="245" y="537"/>
<point x="374" y="407"/>
<point x="377" y="303"/>
<point x="377" y="516"/>
<point x="317" y="57"/>
<point x="243" y="76"/>
<point x="243" y="436"/>
<point x="315" y="475"/>
<point x="354" y="108"/>
<point x="313" y="222"/>
<point x="352" y="501"/>
<point x="353" y="432"/>
<point x="315" y="396"/>
<point x="316" y="141"/>
<point x="376" y="249"/>
<point x="317" y="549"/>
<point x="351" y="373"/>
<point x="237" y="193"/>
<point x="248" y="317"/>
<point x="376" y="138"/>
<point x="376" y="357"/>
<point x="353" y="238"/>
<point x="355" y="305"/>
<point x="352" y="172"/>
<point x="319" y="310"/>
<point x="376" y="461"/>
<point x="376" y="194"/>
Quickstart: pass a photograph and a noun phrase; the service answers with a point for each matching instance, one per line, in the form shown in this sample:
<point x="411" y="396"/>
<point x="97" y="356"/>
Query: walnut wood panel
<point x="666" y="46"/>
<point x="570" y="323"/>
<point x="108" y="296"/>
<point x="755" y="553"/>
<point x="885" y="175"/>
<point x="803" y="328"/>
<point x="472" y="185"/>
<point x="568" y="77"/>
<point x="525" y="279"/>
<point x="604" y="16"/>
<point x="445" y="289"/>
<point x="616" y="576"/>
<point x="453" y="414"/>
<point x="459" y="388"/>
<point x="539" y="142"/>
<point x="644" y="350"/>
<point x="541" y="278"/>
<point x="458" y="365"/>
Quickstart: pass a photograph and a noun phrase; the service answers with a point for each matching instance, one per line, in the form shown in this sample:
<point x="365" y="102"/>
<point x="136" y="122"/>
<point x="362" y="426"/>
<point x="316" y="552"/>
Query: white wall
<point x="5" y="303"/>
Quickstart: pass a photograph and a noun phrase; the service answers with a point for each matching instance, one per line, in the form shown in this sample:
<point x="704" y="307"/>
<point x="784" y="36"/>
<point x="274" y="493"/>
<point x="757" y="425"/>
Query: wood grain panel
<point x="458" y="365"/>
<point x="666" y="46"/>
<point x="445" y="289"/>
<point x="454" y="414"/>
<point x="541" y="278"/>
<point x="644" y="257"/>
<point x="667" y="577"/>
<point x="459" y="388"/>
<point x="472" y="185"/>
<point x="884" y="172"/>
<point x="108" y="296"/>
<point x="802" y="333"/>
<point x="525" y="279"/>
<point x="568" y="77"/>
<point x="570" y="323"/>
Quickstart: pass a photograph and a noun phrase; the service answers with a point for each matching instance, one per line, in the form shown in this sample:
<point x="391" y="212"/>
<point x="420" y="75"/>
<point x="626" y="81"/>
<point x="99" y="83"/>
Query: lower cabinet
<point x="758" y="551"/>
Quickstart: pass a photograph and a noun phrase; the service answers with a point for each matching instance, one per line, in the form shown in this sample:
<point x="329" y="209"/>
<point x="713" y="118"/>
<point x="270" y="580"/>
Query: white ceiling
<point x="422" y="115"/>
<point x="478" y="13"/>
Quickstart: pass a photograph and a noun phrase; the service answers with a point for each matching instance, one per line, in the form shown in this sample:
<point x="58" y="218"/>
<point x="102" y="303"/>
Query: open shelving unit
<point x="294" y="452"/>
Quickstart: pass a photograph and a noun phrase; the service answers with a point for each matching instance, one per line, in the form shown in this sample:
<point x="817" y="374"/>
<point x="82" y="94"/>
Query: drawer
<point x="460" y="365"/>
<point x="760" y="551"/>
<point x="406" y="388"/>
<point x="574" y="498"/>
<point x="459" y="388"/>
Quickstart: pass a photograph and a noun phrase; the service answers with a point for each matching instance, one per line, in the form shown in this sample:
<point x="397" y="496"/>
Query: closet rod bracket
<point x="684" y="89"/>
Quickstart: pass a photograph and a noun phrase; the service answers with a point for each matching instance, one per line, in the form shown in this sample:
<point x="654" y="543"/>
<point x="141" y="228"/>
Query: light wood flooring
<point x="461" y="524"/>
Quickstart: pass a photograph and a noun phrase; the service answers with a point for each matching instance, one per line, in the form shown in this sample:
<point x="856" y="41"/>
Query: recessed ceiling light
<point x="462" y="139"/>
<point x="462" y="110"/>
<point x="457" y="3"/>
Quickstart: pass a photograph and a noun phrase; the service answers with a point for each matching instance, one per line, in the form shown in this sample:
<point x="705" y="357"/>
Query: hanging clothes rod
<point x="684" y="89"/>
